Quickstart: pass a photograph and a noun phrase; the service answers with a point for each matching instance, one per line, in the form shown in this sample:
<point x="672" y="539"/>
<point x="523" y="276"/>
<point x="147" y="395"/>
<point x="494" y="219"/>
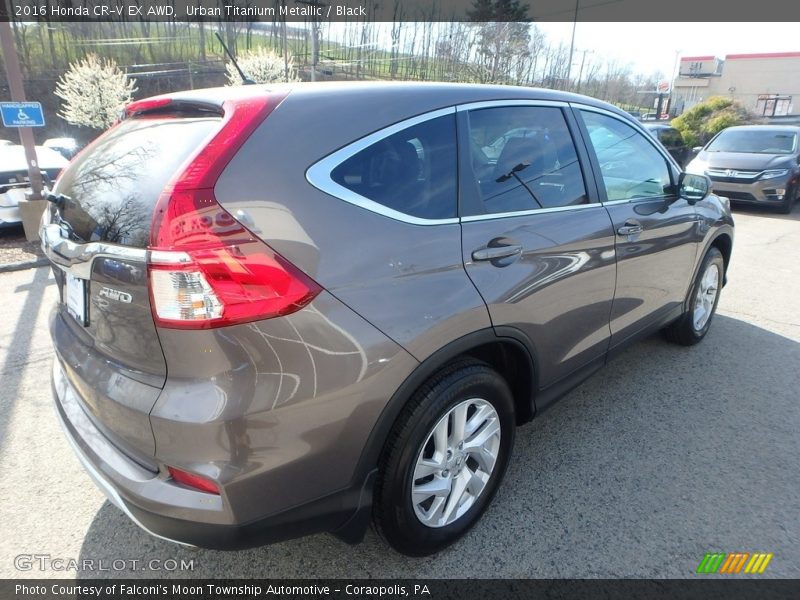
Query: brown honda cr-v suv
<point x="286" y="310"/>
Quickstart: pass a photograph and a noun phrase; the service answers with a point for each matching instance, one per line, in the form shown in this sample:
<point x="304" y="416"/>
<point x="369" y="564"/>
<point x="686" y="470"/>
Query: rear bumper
<point x="130" y="488"/>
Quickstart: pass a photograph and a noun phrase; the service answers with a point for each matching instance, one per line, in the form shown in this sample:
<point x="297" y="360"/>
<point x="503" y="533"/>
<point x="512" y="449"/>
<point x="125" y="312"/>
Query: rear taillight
<point x="193" y="481"/>
<point x="206" y="269"/>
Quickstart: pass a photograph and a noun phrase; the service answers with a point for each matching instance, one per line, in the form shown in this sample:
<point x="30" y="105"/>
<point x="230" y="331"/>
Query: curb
<point x="24" y="264"/>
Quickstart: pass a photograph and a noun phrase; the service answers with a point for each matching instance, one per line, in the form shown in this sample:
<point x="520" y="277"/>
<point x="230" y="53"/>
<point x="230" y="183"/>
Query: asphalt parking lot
<point x="666" y="454"/>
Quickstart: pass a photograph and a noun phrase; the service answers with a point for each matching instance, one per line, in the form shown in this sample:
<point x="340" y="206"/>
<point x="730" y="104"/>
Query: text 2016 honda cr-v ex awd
<point x="286" y="310"/>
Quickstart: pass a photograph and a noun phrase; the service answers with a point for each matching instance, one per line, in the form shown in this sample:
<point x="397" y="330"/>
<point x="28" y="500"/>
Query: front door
<point x="656" y="231"/>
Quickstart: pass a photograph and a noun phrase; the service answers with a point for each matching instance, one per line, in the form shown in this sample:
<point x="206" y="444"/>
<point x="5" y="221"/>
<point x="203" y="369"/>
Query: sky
<point x="652" y="47"/>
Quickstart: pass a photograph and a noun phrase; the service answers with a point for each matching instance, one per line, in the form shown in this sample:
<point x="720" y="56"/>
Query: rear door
<point x="656" y="231"/>
<point x="536" y="243"/>
<point x="103" y="330"/>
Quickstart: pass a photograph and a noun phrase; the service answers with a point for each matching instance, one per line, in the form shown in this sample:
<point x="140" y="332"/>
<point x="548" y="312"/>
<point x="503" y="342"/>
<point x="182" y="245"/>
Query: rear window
<point x="754" y="141"/>
<point x="113" y="186"/>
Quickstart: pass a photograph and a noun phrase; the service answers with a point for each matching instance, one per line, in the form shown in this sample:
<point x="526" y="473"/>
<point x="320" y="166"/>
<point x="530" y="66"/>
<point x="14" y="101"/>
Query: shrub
<point x="94" y="91"/>
<point x="262" y="66"/>
<point x="703" y="121"/>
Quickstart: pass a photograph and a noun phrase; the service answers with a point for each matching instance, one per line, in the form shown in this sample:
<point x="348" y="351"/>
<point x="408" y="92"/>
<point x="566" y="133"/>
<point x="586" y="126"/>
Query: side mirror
<point x="693" y="188"/>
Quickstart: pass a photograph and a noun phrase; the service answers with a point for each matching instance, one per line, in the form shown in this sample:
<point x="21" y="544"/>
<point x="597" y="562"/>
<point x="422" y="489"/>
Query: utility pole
<point x="675" y="73"/>
<point x="316" y="4"/>
<point x="572" y="43"/>
<point x="580" y="73"/>
<point x="17" y="89"/>
<point x="285" y="46"/>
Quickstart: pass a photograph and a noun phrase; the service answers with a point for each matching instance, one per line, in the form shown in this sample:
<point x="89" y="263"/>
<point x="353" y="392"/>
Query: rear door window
<point x="113" y="185"/>
<point x="412" y="171"/>
<point x="524" y="158"/>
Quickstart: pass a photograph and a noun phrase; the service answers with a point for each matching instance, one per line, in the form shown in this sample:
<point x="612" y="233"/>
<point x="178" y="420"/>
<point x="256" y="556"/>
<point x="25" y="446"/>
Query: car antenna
<point x="245" y="79"/>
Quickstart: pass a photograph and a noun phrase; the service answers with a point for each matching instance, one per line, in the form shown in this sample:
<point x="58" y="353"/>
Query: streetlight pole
<point x="17" y="89"/>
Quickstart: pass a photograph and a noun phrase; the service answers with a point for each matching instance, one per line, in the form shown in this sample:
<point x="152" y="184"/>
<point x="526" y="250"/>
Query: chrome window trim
<point x="533" y="211"/>
<point x="319" y="174"/>
<point x="623" y="201"/>
<point x="502" y="103"/>
<point x="77" y="258"/>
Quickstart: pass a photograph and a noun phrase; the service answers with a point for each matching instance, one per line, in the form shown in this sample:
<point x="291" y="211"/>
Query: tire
<point x="468" y="388"/>
<point x="694" y="324"/>
<point x="788" y="203"/>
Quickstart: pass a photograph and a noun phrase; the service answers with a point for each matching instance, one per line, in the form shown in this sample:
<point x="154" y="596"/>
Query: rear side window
<point x="412" y="171"/>
<point x="670" y="137"/>
<point x="113" y="186"/>
<point x="523" y="158"/>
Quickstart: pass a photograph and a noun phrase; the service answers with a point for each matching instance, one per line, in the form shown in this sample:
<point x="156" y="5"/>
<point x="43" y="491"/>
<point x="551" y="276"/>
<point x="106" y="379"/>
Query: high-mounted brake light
<point x="146" y="105"/>
<point x="206" y="269"/>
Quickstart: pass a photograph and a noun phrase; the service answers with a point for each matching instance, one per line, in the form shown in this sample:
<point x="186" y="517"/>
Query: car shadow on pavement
<point x="667" y="453"/>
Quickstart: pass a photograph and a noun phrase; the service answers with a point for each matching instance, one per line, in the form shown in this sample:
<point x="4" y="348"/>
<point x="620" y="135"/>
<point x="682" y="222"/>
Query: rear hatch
<point x="96" y="233"/>
<point x="139" y="244"/>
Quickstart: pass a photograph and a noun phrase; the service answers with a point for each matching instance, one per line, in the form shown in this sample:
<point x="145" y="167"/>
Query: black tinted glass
<point x="412" y="172"/>
<point x="523" y="158"/>
<point x="114" y="184"/>
<point x="670" y="137"/>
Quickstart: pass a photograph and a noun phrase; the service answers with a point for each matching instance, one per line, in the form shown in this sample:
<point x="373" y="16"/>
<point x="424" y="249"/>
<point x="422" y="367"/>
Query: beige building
<point x="767" y="84"/>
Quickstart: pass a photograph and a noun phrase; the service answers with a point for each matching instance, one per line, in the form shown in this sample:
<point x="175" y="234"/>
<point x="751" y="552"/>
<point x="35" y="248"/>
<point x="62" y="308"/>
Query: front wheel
<point x="444" y="459"/>
<point x="788" y="202"/>
<point x="694" y="324"/>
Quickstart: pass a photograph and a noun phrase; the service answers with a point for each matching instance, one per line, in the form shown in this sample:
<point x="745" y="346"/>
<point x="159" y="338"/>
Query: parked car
<point x="672" y="140"/>
<point x="753" y="164"/>
<point x="275" y="322"/>
<point x="66" y="146"/>
<point x="14" y="171"/>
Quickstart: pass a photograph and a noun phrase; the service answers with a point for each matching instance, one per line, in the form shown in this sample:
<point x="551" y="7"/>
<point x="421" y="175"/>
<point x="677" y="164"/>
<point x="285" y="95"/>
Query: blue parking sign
<point x="22" y="114"/>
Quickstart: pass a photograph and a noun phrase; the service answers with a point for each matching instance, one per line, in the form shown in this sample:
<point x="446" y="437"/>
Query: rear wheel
<point x="444" y="459"/>
<point x="693" y="326"/>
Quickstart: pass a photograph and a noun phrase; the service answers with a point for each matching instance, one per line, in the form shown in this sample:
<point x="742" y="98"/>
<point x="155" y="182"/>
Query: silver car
<point x="753" y="164"/>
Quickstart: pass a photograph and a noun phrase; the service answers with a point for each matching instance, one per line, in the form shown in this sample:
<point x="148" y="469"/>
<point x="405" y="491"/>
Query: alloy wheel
<point x="455" y="462"/>
<point x="706" y="297"/>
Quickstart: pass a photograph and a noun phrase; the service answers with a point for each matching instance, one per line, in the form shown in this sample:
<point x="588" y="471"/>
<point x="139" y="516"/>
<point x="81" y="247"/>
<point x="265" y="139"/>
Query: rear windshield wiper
<point x="58" y="199"/>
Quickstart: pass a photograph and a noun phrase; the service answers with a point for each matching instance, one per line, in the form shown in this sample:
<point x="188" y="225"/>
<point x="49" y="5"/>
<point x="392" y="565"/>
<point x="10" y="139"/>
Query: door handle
<point x="631" y="227"/>
<point x="494" y="253"/>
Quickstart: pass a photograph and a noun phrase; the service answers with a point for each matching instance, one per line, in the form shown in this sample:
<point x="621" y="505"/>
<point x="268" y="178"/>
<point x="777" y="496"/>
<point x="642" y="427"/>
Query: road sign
<point x="22" y="114"/>
<point x="663" y="87"/>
